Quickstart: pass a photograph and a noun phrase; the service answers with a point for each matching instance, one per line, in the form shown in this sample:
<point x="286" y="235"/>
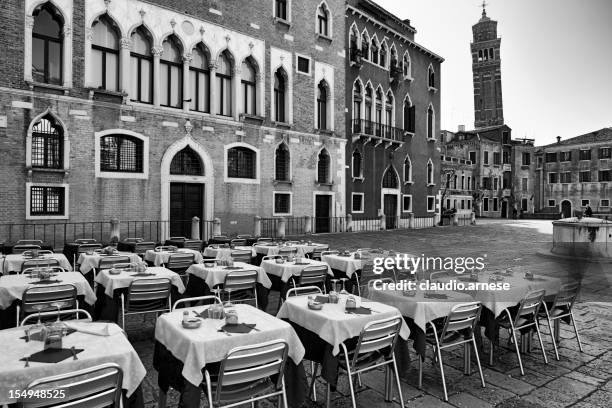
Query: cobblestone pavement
<point x="577" y="380"/>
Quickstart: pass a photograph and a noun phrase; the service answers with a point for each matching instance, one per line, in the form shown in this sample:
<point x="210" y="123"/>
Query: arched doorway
<point x="390" y="197"/>
<point x="566" y="209"/>
<point x="187" y="188"/>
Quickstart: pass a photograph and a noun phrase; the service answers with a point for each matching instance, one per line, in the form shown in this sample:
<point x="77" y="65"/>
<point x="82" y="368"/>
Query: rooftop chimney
<point x="461" y="128"/>
<point x="558" y="139"/>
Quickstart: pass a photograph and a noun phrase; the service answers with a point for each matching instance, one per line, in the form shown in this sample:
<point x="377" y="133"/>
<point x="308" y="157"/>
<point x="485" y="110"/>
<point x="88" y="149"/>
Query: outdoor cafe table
<point x="347" y="264"/>
<point x="181" y="354"/>
<point x="13" y="262"/>
<point x="216" y="252"/>
<point x="280" y="274"/>
<point x="203" y="279"/>
<point x="108" y="345"/>
<point x="111" y="286"/>
<point x="88" y="262"/>
<point x="159" y="258"/>
<point x="273" y="249"/>
<point x="422" y="308"/>
<point x="13" y="286"/>
<point x="322" y="331"/>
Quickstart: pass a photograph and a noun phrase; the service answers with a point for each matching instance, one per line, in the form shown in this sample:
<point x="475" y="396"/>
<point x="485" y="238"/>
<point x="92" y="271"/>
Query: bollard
<point x="280" y="228"/>
<point x="349" y="222"/>
<point x="383" y="221"/>
<point x="455" y="219"/>
<point x="473" y="218"/>
<point x="115" y="230"/>
<point x="257" y="226"/>
<point x="307" y="224"/>
<point x="195" y="228"/>
<point x="437" y="220"/>
<point x="411" y="220"/>
<point x="216" y="227"/>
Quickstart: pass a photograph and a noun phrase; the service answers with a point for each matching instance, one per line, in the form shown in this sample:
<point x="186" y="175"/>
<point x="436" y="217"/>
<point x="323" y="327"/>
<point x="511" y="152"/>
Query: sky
<point x="556" y="61"/>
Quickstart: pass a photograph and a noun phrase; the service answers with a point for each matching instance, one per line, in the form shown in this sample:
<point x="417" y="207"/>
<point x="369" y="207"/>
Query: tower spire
<point x="484" y="5"/>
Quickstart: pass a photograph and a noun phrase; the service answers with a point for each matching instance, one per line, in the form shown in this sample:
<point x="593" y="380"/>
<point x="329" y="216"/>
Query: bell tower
<point x="486" y="72"/>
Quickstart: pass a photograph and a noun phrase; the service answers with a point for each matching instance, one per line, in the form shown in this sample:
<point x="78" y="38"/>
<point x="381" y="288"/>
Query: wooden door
<point x="186" y="202"/>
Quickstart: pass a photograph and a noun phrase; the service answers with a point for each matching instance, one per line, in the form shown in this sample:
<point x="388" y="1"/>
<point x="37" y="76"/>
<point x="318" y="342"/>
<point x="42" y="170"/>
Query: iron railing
<point x="370" y="128"/>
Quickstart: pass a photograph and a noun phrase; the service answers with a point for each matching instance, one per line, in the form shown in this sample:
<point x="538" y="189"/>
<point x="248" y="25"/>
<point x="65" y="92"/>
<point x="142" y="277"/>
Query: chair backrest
<point x="66" y="314"/>
<point x="567" y="295"/>
<point x="88" y="247"/>
<point x="214" y="298"/>
<point x="21" y="248"/>
<point x="287" y="251"/>
<point x="315" y="275"/>
<point x="30" y="242"/>
<point x="219" y="237"/>
<point x="238" y="241"/>
<point x="45" y="252"/>
<point x="169" y="248"/>
<point x="86" y="241"/>
<point x="143" y="246"/>
<point x="145" y="294"/>
<point x="180" y="261"/>
<point x="43" y="297"/>
<point x="133" y="240"/>
<point x="57" y="269"/>
<point x="272" y="257"/>
<point x="434" y="276"/>
<point x="304" y="290"/>
<point x="369" y="288"/>
<point x="244" y="236"/>
<point x="39" y="263"/>
<point x="178" y="238"/>
<point x="377" y="336"/>
<point x="248" y="365"/>
<point x="108" y="262"/>
<point x="98" y="386"/>
<point x="240" y="280"/>
<point x="333" y="252"/>
<point x="529" y="306"/>
<point x="240" y="255"/>
<point x="264" y="239"/>
<point x="461" y="317"/>
<point x="122" y="266"/>
<point x="195" y="244"/>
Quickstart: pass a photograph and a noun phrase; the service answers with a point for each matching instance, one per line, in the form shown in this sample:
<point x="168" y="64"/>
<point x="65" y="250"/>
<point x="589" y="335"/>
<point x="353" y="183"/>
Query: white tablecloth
<point x="346" y="264"/>
<point x="13" y="286"/>
<point x="13" y="262"/>
<point x="89" y="262"/>
<point x="219" y="253"/>
<point x="123" y="280"/>
<point x="97" y="350"/>
<point x="216" y="275"/>
<point x="419" y="308"/>
<point x="332" y="323"/>
<point x="198" y="347"/>
<point x="161" y="258"/>
<point x="288" y="269"/>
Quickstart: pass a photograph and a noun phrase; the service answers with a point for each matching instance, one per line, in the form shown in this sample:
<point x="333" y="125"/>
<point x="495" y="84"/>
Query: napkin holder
<point x="44" y="274"/>
<point x="314" y="305"/>
<point x="351" y="303"/>
<point x="209" y="264"/>
<point x="53" y="334"/>
<point x="231" y="317"/>
<point x="280" y="260"/>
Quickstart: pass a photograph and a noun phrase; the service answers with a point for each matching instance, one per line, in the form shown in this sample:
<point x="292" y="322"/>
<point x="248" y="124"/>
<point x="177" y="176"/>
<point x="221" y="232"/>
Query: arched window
<point x="357" y="100"/>
<point x="47" y="45"/>
<point x="406" y="68"/>
<point x="353" y="43"/>
<point x="241" y="163"/>
<point x="224" y="84"/>
<point x="356" y="164"/>
<point x="407" y="170"/>
<point x="379" y="107"/>
<point x="368" y="106"/>
<point x="141" y="67"/>
<point x="323" y="20"/>
<point x="105" y="55"/>
<point x="409" y="116"/>
<point x="322" y="105"/>
<point x="374" y="52"/>
<point x="393" y="62"/>
<point x="432" y="77"/>
<point x="171" y="74"/>
<point x="390" y="179"/>
<point x="199" y="80"/>
<point x="187" y="162"/>
<point x="47" y="144"/>
<point x="430" y="172"/>
<point x="383" y="55"/>
<point x="121" y="153"/>
<point x="430" y="122"/>
<point x="323" y="167"/>
<point x="249" y="89"/>
<point x="389" y="111"/>
<point x="280" y="97"/>
<point x="365" y="46"/>
<point x="282" y="163"/>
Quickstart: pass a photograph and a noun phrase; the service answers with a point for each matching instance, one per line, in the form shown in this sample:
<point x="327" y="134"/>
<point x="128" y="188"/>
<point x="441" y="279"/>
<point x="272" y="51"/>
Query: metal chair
<point x="133" y="240"/>
<point x="39" y="263"/>
<point x="374" y="349"/>
<point x="435" y="276"/>
<point x="458" y="329"/>
<point x="272" y="257"/>
<point x="30" y="242"/>
<point x="97" y="386"/>
<point x="249" y="374"/>
<point x="146" y="296"/>
<point x="109" y="262"/>
<point x="178" y="238"/>
<point x="21" y="248"/>
<point x="195" y="244"/>
<point x="169" y="248"/>
<point x="195" y="299"/>
<point x="317" y="250"/>
<point x="241" y="283"/>
<point x="263" y="240"/>
<point x="304" y="290"/>
<point x="561" y="308"/>
<point x="315" y="275"/>
<point x="367" y="274"/>
<point x="179" y="262"/>
<point x="143" y="246"/>
<point x="86" y="241"/>
<point x="47" y="298"/>
<point x="238" y="242"/>
<point x="82" y="248"/>
<point x="53" y="269"/>
<point x="75" y="313"/>
<point x="367" y="289"/>
<point x="526" y="317"/>
<point x="240" y="255"/>
<point x="287" y="252"/>
<point x="329" y="252"/>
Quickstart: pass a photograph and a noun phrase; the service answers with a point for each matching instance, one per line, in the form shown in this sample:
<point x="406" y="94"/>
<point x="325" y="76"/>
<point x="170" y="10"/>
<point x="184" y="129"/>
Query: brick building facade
<point x="166" y="109"/>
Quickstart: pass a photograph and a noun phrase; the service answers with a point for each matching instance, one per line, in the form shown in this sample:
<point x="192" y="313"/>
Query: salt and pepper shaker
<point x="185" y="316"/>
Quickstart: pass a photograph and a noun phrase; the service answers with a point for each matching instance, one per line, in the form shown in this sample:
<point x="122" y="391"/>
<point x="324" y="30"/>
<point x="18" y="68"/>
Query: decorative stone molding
<point x="125" y="43"/>
<point x="157" y="51"/>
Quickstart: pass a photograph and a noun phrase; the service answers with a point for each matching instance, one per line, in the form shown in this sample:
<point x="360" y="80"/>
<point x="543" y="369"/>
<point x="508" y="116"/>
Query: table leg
<point x="557" y="328"/>
<point x="467" y="357"/>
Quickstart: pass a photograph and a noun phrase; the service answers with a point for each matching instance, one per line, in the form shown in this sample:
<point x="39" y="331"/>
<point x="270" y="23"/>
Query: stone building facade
<point x="393" y="117"/>
<point x="165" y="109"/>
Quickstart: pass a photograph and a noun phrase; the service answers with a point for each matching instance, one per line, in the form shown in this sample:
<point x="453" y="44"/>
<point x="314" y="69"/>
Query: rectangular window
<point x="280" y="9"/>
<point x="524" y="204"/>
<point x="282" y="203"/>
<point x="551" y="157"/>
<point x="473" y="157"/>
<point x="495" y="183"/>
<point x="585" y="203"/>
<point x="486" y="157"/>
<point x="552" y="178"/>
<point x="485" y="204"/>
<point x="584" y="176"/>
<point x="605" y="153"/>
<point x="565" y="156"/>
<point x="303" y="65"/>
<point x="407" y="203"/>
<point x="505" y="137"/>
<point x="524" y="183"/>
<point x="526" y="159"/>
<point x="604" y="203"/>
<point x="605" y="175"/>
<point x="585" y="155"/>
<point x="496" y="158"/>
<point x="47" y="200"/>
<point x="431" y="203"/>
<point x="566" y="177"/>
<point x="469" y="204"/>
<point x="486" y="183"/>
<point x="357" y="206"/>
<point x="552" y="203"/>
<point x="495" y="204"/>
<point x="506" y="157"/>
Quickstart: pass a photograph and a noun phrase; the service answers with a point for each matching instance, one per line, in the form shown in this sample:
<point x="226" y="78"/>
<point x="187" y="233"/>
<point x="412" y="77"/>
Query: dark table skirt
<point x="7" y="248"/>
<point x="108" y="309"/>
<point x="169" y="370"/>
